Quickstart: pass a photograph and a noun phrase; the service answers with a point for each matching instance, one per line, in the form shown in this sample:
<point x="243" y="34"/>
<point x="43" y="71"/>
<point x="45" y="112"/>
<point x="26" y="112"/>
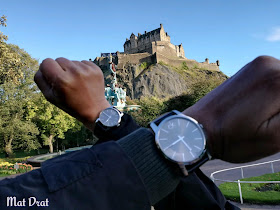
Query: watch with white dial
<point x="109" y="117"/>
<point x="181" y="139"/>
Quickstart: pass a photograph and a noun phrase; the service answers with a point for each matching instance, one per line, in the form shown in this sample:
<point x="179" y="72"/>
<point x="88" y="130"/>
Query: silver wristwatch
<point x="181" y="139"/>
<point x="110" y="117"/>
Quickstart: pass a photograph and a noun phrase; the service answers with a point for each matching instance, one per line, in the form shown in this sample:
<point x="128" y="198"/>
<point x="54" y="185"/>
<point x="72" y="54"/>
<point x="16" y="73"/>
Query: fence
<point x="242" y="175"/>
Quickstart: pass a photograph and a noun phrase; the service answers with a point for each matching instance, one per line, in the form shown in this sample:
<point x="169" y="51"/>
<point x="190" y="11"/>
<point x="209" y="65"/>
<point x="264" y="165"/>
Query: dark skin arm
<point x="241" y="116"/>
<point x="73" y="86"/>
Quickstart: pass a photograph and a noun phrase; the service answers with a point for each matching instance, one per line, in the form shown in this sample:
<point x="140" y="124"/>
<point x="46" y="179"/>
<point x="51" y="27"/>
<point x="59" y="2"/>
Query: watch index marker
<point x="163" y="139"/>
<point x="164" y="130"/>
<point x="194" y="130"/>
<point x="173" y="155"/>
<point x="198" y="138"/>
<point x="187" y="124"/>
<point x="197" y="147"/>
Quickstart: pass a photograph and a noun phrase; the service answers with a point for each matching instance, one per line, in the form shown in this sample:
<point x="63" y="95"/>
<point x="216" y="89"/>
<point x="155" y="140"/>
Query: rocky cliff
<point x="160" y="80"/>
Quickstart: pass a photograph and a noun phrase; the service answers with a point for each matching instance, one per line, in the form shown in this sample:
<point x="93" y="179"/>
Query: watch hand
<point x="105" y="114"/>
<point x="175" y="142"/>
<point x="108" y="119"/>
<point x="186" y="145"/>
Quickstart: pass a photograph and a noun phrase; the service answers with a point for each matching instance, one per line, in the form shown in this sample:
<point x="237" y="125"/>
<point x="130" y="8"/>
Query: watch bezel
<point x="156" y="129"/>
<point x="120" y="114"/>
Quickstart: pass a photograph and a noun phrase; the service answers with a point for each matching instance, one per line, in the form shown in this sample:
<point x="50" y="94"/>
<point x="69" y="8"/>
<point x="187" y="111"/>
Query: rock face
<point x="159" y="80"/>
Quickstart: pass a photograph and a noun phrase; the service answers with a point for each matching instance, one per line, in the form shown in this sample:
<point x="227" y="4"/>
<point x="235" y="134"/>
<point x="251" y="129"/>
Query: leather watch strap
<point x="158" y="121"/>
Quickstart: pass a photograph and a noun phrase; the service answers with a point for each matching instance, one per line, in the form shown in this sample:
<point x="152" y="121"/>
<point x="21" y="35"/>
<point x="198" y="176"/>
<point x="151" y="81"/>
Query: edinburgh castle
<point x="152" y="47"/>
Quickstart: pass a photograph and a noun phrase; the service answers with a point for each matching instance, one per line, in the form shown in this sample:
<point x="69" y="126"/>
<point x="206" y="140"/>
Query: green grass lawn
<point x="254" y="193"/>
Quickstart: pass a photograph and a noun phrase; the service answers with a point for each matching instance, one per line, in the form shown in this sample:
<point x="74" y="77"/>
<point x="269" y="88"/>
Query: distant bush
<point x="162" y="63"/>
<point x="184" y="66"/>
<point x="144" y="65"/>
<point x="151" y="107"/>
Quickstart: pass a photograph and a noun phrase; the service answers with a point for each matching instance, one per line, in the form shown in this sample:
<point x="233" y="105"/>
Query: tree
<point x="151" y="107"/>
<point x="17" y="89"/>
<point x="3" y="21"/>
<point x="16" y="131"/>
<point x="52" y="121"/>
<point x="10" y="62"/>
<point x="191" y="96"/>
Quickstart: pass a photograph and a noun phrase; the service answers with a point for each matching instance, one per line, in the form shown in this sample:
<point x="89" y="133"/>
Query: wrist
<point x="93" y="114"/>
<point x="208" y="122"/>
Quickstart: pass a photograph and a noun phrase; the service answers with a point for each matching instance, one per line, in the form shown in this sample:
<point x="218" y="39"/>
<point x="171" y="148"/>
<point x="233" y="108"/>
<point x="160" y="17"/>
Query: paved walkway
<point x="215" y="165"/>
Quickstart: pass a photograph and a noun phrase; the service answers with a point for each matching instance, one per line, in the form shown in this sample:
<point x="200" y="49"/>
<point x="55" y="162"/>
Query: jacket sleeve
<point x="101" y="177"/>
<point x="196" y="191"/>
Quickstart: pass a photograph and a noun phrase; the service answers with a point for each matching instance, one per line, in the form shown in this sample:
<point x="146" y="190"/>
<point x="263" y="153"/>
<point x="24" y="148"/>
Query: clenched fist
<point x="75" y="87"/>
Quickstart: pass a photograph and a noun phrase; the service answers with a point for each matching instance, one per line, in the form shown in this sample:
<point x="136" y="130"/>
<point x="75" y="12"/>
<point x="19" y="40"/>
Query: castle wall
<point x="168" y="49"/>
<point x="190" y="63"/>
<point x="143" y="42"/>
<point x="134" y="59"/>
<point x="101" y="61"/>
<point x="153" y="47"/>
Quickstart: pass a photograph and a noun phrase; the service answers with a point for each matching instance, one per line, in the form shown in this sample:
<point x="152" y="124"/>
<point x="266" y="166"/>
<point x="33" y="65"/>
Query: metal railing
<point x="242" y="175"/>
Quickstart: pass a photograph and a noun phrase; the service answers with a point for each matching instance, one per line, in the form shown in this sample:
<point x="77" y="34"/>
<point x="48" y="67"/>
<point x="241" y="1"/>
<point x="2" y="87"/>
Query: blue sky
<point x="232" y="31"/>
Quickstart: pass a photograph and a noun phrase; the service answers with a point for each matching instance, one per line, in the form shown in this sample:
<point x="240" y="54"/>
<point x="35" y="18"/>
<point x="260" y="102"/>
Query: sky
<point x="231" y="31"/>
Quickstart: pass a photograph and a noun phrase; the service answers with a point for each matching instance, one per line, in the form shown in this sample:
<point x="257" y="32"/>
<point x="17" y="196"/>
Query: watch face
<point x="181" y="139"/>
<point x="110" y="117"/>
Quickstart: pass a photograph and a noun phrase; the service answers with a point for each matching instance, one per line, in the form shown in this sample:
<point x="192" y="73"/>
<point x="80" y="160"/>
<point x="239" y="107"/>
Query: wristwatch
<point x="181" y="139"/>
<point x="109" y="117"/>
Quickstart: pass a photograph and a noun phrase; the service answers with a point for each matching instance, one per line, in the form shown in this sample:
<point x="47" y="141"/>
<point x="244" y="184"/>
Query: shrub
<point x="151" y="107"/>
<point x="144" y="65"/>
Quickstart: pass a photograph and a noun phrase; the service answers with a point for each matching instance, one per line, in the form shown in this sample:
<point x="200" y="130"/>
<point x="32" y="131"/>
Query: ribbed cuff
<point x="159" y="175"/>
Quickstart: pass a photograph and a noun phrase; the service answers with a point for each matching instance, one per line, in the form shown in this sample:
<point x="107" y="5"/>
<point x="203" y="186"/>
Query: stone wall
<point x="190" y="63"/>
<point x="168" y="49"/>
<point x="143" y="42"/>
<point x="102" y="62"/>
<point x="167" y="56"/>
<point x="137" y="58"/>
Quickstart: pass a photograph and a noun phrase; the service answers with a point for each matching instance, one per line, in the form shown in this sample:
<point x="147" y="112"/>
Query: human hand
<point x="242" y="116"/>
<point x="75" y="87"/>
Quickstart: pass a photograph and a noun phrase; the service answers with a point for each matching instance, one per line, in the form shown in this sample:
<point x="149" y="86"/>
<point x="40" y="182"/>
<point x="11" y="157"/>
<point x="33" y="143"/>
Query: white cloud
<point x="274" y="36"/>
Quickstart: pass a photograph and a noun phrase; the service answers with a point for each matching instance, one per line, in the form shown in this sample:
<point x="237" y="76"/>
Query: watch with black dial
<point x="181" y="139"/>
